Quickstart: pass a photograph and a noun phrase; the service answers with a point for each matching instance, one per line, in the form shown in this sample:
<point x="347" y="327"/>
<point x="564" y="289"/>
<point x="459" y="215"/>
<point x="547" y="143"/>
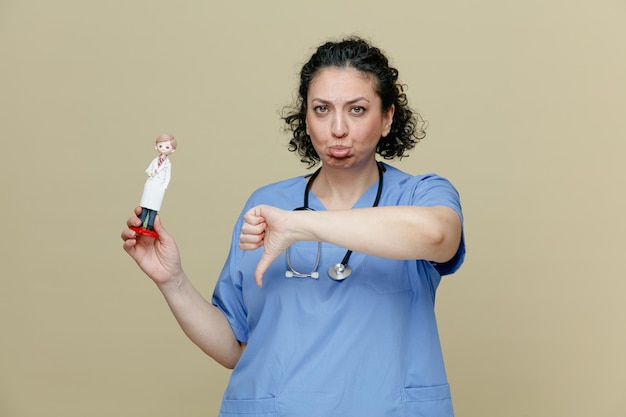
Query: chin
<point x="339" y="162"/>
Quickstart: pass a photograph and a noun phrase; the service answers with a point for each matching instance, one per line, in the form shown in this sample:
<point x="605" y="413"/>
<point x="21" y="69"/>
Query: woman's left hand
<point x="393" y="232"/>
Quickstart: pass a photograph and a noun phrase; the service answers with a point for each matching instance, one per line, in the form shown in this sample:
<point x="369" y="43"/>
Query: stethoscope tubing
<point x="342" y="270"/>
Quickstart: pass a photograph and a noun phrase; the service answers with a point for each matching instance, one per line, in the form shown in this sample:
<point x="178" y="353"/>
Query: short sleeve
<point x="228" y="295"/>
<point x="430" y="191"/>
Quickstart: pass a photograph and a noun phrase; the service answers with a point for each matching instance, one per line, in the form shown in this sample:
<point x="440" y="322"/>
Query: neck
<point x="341" y="188"/>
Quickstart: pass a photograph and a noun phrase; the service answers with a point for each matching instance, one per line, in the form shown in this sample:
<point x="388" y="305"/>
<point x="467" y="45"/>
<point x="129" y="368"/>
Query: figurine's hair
<point x="166" y="137"/>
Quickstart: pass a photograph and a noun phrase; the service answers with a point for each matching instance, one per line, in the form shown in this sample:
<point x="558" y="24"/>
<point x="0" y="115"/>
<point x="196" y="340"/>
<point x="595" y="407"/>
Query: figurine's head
<point x="165" y="144"/>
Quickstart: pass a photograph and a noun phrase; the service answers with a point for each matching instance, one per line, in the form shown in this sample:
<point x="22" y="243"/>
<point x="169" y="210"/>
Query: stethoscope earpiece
<point x="290" y="273"/>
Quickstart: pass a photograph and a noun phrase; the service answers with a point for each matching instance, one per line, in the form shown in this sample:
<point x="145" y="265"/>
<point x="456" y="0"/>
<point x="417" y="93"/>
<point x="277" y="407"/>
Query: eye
<point x="358" y="110"/>
<point x="320" y="109"/>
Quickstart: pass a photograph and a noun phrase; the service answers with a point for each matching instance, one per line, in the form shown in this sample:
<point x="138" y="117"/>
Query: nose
<point x="339" y="128"/>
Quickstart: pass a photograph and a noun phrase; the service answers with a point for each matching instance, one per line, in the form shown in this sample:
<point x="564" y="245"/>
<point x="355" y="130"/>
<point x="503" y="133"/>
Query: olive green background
<point x="526" y="104"/>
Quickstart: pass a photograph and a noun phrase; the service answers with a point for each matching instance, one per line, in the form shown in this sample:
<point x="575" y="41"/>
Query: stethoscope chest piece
<point x="339" y="272"/>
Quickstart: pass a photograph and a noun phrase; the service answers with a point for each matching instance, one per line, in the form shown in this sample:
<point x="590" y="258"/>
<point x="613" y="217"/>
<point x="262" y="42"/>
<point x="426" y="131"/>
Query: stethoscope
<point x="342" y="270"/>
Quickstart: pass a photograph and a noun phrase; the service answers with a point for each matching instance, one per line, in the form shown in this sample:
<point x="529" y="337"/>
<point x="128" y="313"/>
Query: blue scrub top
<point x="366" y="346"/>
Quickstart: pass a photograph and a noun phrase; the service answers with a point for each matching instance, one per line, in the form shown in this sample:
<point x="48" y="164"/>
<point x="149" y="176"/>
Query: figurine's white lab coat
<point x="158" y="180"/>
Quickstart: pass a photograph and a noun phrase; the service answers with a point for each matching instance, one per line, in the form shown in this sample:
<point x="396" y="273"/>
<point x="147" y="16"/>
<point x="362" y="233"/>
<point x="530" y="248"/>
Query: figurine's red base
<point x="145" y="232"/>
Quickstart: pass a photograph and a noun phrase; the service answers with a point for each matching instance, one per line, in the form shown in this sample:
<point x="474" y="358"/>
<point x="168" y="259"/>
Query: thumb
<point x="260" y="271"/>
<point x="261" y="267"/>
<point x="158" y="227"/>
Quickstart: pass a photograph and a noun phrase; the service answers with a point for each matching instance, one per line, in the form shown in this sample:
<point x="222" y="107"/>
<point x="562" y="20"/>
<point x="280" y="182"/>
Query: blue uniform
<point x="366" y="346"/>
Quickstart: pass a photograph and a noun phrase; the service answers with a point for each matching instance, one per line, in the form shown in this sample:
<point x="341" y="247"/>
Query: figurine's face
<point x="164" y="148"/>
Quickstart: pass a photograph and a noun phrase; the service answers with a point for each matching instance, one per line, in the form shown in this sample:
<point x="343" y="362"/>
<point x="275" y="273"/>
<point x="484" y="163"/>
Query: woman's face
<point x="344" y="117"/>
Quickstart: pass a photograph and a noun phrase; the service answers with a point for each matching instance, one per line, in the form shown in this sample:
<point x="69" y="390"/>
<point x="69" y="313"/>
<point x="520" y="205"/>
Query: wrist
<point x="300" y="226"/>
<point x="174" y="282"/>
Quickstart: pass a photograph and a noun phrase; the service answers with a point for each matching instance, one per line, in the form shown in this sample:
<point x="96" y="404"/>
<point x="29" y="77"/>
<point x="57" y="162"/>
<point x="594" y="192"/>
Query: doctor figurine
<point x="159" y="173"/>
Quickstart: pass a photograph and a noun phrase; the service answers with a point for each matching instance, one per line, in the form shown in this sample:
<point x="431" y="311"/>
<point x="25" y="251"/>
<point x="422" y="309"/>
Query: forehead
<point x="345" y="80"/>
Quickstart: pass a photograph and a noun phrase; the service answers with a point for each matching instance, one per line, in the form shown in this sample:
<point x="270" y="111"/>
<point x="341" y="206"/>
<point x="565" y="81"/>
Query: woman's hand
<point x="393" y="232"/>
<point x="202" y="322"/>
<point x="268" y="227"/>
<point x="157" y="257"/>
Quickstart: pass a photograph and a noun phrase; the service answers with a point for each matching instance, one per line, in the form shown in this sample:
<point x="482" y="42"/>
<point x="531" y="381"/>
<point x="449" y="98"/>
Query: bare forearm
<point x="399" y="232"/>
<point x="201" y="321"/>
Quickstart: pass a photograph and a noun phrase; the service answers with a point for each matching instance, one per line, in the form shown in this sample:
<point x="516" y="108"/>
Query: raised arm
<point x="402" y="232"/>
<point x="201" y="321"/>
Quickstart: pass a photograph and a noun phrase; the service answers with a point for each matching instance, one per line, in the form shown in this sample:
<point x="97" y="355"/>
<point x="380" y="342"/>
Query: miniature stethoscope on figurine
<point x="342" y="270"/>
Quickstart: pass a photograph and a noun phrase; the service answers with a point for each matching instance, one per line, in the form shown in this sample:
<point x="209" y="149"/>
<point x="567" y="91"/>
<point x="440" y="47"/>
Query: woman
<point x="360" y="339"/>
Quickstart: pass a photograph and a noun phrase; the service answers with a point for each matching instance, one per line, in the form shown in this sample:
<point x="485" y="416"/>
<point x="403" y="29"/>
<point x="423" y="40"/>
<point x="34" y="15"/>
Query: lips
<point x="339" y="151"/>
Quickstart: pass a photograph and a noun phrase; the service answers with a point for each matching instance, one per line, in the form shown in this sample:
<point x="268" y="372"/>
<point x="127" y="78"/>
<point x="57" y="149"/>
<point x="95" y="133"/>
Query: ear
<point x="388" y="120"/>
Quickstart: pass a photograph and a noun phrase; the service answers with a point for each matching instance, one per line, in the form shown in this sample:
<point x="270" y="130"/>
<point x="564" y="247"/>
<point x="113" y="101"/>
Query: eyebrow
<point x="354" y="100"/>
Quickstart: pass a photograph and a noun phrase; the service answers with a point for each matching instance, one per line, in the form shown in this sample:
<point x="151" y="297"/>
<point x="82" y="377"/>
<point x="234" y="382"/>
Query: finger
<point x="251" y="241"/>
<point x="130" y="240"/>
<point x="250" y="246"/>
<point x="252" y="218"/>
<point x="134" y="221"/>
<point x="253" y="229"/>
<point x="251" y="236"/>
<point x="128" y="234"/>
<point x="129" y="245"/>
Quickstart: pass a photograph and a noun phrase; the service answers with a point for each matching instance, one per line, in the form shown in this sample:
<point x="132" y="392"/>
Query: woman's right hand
<point x="205" y="324"/>
<point x="157" y="257"/>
